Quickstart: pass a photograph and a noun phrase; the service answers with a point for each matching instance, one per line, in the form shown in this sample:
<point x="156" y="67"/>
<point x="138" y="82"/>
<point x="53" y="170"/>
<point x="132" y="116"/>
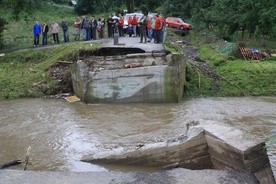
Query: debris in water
<point x="72" y="99"/>
<point x="27" y="158"/>
<point x="2" y="54"/>
<point x="11" y="163"/>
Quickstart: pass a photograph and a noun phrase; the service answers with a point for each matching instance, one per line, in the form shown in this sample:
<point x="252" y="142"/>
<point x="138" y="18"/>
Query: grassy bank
<point x="237" y="77"/>
<point x="25" y="73"/>
<point x="19" y="33"/>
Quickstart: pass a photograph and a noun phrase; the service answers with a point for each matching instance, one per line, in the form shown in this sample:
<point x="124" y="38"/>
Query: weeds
<point x="25" y="73"/>
<point x="237" y="77"/>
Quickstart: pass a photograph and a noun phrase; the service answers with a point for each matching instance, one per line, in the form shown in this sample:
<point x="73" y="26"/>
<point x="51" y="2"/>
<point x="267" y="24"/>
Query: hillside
<point x="19" y="32"/>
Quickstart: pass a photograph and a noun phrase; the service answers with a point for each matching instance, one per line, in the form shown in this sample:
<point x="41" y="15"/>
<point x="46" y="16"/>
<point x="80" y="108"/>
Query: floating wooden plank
<point x="72" y="99"/>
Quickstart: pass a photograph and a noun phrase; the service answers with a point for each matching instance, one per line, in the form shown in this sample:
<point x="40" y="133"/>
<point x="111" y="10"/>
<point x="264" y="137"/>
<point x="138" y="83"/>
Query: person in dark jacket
<point x="94" y="25"/>
<point x="109" y="26"/>
<point x="45" y="30"/>
<point x="83" y="28"/>
<point x="87" y="27"/>
<point x="143" y="29"/>
<point x="64" y="26"/>
<point x="37" y="32"/>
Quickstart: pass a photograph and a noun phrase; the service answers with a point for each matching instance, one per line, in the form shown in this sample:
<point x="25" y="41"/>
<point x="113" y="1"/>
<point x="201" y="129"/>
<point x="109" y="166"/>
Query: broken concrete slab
<point x="209" y="146"/>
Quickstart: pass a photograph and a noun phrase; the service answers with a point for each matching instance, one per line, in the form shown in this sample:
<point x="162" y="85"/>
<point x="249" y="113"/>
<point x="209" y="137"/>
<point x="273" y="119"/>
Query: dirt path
<point x="193" y="58"/>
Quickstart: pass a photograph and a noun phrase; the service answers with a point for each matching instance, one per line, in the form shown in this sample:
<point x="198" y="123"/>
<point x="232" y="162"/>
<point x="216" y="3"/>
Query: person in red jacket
<point x="121" y="25"/>
<point x="130" y="28"/>
<point x="134" y="24"/>
<point x="158" y="28"/>
<point x="150" y="30"/>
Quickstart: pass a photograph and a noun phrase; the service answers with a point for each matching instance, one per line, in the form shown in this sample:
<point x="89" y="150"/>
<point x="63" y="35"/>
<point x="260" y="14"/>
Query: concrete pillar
<point x="116" y="38"/>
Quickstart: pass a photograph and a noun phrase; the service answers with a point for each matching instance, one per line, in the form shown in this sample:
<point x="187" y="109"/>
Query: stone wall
<point x="144" y="77"/>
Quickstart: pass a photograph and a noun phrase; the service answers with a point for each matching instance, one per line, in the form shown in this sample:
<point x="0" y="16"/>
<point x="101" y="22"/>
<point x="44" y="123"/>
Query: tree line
<point x="226" y="17"/>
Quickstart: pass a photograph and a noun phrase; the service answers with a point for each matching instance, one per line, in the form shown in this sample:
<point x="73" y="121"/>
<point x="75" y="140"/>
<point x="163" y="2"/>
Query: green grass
<point x="207" y="54"/>
<point x="248" y="78"/>
<point x="19" y="33"/>
<point x="21" y="71"/>
<point x="237" y="77"/>
<point x="170" y="44"/>
<point x="197" y="84"/>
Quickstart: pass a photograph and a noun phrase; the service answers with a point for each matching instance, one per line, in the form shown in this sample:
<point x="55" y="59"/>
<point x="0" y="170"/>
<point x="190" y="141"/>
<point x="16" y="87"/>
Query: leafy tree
<point x="86" y="6"/>
<point x="92" y="6"/>
<point x="255" y="17"/>
<point x="96" y="6"/>
<point x="177" y="8"/>
<point x="2" y="27"/>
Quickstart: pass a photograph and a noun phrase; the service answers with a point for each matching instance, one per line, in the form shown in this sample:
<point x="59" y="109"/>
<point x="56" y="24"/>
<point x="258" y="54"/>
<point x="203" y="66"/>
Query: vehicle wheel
<point x="181" y="27"/>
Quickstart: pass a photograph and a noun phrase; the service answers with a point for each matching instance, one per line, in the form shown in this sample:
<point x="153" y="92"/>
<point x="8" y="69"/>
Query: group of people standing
<point x="151" y="28"/>
<point x="147" y="28"/>
<point x="115" y="24"/>
<point x="88" y="27"/>
<point x="44" y="30"/>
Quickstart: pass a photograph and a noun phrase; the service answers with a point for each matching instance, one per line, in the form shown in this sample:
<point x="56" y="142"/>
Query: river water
<point x="61" y="133"/>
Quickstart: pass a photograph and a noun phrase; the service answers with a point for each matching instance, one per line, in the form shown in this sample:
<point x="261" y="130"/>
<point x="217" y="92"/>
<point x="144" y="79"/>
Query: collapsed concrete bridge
<point x="129" y="72"/>
<point x="129" y="77"/>
<point x="207" y="147"/>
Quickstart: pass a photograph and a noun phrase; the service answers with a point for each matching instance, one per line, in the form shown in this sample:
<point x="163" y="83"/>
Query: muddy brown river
<point x="61" y="133"/>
